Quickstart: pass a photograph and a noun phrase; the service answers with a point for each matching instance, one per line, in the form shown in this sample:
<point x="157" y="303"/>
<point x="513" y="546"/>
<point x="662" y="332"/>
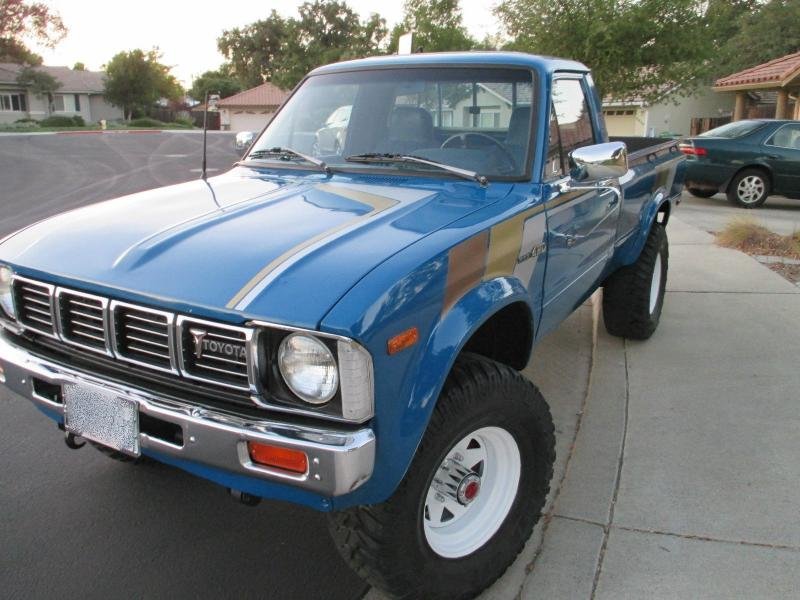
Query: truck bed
<point x="641" y="149"/>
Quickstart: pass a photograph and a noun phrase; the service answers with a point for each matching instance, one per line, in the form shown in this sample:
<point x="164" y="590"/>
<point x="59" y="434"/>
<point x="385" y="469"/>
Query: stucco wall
<point x="103" y="110"/>
<point x="667" y="117"/>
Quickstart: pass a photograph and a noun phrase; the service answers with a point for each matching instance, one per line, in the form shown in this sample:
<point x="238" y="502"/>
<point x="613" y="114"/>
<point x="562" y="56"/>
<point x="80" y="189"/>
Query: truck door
<point x="581" y="225"/>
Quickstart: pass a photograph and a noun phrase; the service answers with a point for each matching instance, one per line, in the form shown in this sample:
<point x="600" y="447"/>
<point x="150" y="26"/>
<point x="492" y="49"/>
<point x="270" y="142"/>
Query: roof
<point x="512" y="59"/>
<point x="266" y="94"/>
<point x="71" y="81"/>
<point x="780" y="72"/>
<point x="506" y="91"/>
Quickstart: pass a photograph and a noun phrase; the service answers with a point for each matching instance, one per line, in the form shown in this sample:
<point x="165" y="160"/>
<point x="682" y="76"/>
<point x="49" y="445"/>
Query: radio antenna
<point x="209" y="106"/>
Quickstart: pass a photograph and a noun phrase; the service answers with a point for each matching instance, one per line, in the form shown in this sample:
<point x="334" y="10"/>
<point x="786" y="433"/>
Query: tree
<point x="214" y="82"/>
<point x="437" y="25"/>
<point x="636" y="48"/>
<point x="759" y="33"/>
<point x="20" y="20"/>
<point x="39" y="83"/>
<point x="79" y="66"/>
<point x="136" y="79"/>
<point x="282" y="50"/>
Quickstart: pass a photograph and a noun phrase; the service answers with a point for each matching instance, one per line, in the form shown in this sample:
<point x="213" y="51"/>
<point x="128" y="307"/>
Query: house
<point x="81" y="93"/>
<point x="777" y="80"/>
<point x="251" y="109"/>
<point x="672" y="115"/>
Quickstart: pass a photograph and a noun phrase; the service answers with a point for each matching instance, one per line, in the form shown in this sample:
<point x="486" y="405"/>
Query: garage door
<point x="621" y="122"/>
<point x="249" y="120"/>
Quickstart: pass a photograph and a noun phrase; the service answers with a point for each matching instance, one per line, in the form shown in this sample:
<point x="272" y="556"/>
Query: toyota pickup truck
<point x="343" y="326"/>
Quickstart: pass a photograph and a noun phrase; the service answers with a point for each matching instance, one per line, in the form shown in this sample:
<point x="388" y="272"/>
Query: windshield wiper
<point x="287" y="154"/>
<point x="376" y="157"/>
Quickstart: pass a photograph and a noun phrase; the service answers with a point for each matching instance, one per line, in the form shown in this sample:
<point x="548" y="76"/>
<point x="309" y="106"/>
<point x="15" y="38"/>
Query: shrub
<point x="145" y="122"/>
<point x="57" y="121"/>
<point x="184" y="122"/>
<point x="26" y="120"/>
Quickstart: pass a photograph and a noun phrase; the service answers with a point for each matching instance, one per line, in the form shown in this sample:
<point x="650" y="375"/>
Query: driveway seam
<point x="607" y="526"/>
<point x="685" y="536"/>
<point x="548" y="516"/>
<point x="730" y="292"/>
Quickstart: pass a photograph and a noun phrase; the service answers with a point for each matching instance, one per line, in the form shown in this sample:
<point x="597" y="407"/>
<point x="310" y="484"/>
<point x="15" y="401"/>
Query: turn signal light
<point x="276" y="457"/>
<point x="403" y="340"/>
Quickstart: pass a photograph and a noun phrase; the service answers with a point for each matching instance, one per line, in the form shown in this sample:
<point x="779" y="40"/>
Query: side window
<point x="553" y="166"/>
<point x="572" y="115"/>
<point x="787" y="136"/>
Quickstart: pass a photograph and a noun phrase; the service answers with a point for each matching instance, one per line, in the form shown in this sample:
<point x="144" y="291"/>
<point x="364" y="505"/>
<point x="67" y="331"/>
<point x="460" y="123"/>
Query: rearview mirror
<point x="243" y="140"/>
<point x="592" y="164"/>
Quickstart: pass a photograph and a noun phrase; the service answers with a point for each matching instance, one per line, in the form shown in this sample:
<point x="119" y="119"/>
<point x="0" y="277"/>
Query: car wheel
<point x="749" y="188"/>
<point x="472" y="495"/>
<point x="633" y="296"/>
<point x="700" y="193"/>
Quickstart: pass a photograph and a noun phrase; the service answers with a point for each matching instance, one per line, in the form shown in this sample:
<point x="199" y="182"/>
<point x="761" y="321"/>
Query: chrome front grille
<point x="34" y="302"/>
<point x="187" y="347"/>
<point x="214" y="352"/>
<point x="143" y="336"/>
<point x="81" y="320"/>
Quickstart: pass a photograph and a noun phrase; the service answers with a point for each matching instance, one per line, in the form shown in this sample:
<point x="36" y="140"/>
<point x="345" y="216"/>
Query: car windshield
<point x="476" y="119"/>
<point x="733" y="130"/>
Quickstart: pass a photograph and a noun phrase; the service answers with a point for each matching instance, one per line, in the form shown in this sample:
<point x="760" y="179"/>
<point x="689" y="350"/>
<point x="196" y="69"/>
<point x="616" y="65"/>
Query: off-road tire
<point x="386" y="543"/>
<point x="701" y="193"/>
<point x="627" y="292"/>
<point x="759" y="177"/>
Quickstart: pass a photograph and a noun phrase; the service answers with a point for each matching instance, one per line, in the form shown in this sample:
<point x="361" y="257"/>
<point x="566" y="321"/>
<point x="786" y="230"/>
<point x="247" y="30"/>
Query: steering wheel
<point x="463" y="139"/>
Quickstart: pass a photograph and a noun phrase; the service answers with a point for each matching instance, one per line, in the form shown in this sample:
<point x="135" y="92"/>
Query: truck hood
<point x="276" y="247"/>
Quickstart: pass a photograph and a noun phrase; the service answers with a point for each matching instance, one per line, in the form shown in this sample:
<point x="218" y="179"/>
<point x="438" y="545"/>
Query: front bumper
<point x="339" y="460"/>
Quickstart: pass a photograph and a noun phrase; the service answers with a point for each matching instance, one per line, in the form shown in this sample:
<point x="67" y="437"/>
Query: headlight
<point x="6" y="295"/>
<point x="308" y="368"/>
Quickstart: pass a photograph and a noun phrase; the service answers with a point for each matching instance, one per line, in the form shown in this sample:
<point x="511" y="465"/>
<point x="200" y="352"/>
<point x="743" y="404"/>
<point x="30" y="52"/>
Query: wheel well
<point x="761" y="168"/>
<point x="506" y="337"/>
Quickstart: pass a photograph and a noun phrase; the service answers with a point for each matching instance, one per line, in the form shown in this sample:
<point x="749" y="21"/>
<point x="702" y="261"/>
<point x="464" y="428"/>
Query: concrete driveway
<point x="778" y="214"/>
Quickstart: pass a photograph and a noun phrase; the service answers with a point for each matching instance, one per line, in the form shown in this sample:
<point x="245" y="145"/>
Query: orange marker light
<point x="278" y="458"/>
<point x="403" y="340"/>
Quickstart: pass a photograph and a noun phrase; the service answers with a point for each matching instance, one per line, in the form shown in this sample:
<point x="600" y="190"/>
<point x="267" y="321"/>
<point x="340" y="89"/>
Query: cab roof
<point x="546" y="64"/>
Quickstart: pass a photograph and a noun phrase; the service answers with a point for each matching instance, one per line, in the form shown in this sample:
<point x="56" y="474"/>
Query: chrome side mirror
<point x="597" y="167"/>
<point x="243" y="140"/>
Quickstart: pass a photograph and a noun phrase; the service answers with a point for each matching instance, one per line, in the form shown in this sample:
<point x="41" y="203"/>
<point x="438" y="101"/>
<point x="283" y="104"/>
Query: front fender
<point x="407" y="395"/>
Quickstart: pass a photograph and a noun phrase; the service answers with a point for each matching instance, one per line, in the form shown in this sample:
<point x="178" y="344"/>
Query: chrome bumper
<point x="339" y="461"/>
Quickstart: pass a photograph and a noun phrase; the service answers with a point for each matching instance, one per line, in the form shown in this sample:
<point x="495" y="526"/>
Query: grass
<point x="93" y="127"/>
<point x="748" y="235"/>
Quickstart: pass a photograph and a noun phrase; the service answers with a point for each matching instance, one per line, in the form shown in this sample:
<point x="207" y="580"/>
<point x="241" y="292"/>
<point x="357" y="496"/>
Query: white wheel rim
<point x="750" y="189"/>
<point x="456" y="524"/>
<point x="655" y="284"/>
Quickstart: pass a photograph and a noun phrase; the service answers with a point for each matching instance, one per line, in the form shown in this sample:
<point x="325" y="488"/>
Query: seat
<point x="409" y="128"/>
<point x="518" y="134"/>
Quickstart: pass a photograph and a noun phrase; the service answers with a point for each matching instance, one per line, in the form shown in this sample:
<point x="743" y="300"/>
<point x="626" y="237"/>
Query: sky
<point x="187" y="33"/>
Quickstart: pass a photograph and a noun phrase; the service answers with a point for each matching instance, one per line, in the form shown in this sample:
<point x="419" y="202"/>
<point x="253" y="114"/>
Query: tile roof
<point x="71" y="81"/>
<point x="775" y="73"/>
<point x="266" y="94"/>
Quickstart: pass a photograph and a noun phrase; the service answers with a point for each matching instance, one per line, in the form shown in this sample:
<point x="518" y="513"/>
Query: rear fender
<point x="630" y="250"/>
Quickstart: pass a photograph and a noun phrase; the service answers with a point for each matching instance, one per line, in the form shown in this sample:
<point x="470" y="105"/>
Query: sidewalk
<point x="678" y="470"/>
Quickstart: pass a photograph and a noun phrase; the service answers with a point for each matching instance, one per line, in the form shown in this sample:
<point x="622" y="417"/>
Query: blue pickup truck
<point x="343" y="326"/>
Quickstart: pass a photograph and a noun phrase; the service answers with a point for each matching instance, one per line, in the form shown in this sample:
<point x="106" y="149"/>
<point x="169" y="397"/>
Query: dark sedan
<point x="748" y="160"/>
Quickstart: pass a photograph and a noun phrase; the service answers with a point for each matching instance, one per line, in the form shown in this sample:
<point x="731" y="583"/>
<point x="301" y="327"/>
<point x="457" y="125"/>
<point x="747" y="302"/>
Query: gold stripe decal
<point x="466" y="264"/>
<point x="257" y="283"/>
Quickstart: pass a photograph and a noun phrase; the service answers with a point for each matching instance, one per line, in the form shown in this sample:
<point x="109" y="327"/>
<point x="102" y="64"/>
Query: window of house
<point x="77" y="103"/>
<point x="13" y="102"/>
<point x="65" y="103"/>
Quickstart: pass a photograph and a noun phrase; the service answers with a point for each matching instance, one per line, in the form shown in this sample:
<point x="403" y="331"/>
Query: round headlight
<point x="6" y="295"/>
<point x="308" y="368"/>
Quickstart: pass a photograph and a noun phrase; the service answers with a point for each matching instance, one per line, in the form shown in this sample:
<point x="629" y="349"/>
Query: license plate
<point x="103" y="416"/>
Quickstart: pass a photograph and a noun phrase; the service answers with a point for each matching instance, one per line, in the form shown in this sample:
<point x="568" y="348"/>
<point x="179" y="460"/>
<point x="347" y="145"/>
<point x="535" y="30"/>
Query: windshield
<point x="477" y="119"/>
<point x="733" y="130"/>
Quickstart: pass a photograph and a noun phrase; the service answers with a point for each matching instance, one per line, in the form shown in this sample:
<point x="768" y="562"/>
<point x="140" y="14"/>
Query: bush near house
<point x="62" y="121"/>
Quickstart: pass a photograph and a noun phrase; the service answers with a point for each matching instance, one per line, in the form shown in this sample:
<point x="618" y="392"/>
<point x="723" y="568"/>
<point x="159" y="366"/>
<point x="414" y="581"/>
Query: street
<point x="77" y="522"/>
